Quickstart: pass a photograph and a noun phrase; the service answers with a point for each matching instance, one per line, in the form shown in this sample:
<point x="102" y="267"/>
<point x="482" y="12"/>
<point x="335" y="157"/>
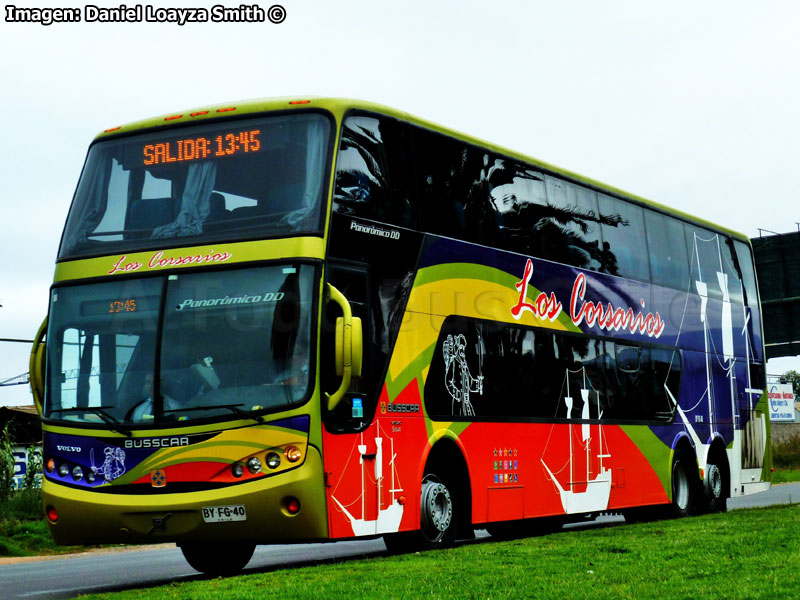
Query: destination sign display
<point x="115" y="306"/>
<point x="199" y="148"/>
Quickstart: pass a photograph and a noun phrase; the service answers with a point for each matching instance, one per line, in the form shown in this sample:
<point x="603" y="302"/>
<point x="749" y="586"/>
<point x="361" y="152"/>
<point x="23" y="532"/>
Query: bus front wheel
<point x="438" y="507"/>
<point x="217" y="558"/>
<point x="436" y="512"/>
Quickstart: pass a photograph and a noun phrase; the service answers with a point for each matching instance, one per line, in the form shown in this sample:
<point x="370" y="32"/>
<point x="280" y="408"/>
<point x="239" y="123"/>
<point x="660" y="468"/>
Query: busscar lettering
<point x="157" y="442"/>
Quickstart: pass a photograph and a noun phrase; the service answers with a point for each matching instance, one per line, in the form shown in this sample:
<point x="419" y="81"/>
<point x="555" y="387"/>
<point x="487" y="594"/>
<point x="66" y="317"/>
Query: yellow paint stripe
<point x="198" y="256"/>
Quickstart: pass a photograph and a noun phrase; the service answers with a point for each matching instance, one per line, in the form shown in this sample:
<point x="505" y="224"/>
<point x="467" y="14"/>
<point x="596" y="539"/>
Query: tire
<point x="437" y="513"/>
<point x="716" y="487"/>
<point x="218" y="558"/>
<point x="438" y="506"/>
<point x="684" y="496"/>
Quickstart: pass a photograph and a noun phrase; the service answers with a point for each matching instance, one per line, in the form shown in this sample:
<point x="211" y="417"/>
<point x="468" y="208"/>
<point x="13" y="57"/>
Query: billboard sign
<point x="781" y="402"/>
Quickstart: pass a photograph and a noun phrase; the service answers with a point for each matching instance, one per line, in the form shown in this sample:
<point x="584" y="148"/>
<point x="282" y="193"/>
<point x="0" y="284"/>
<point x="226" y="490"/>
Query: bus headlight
<point x="273" y="460"/>
<point x="77" y="473"/>
<point x="254" y="465"/>
<point x="63" y="469"/>
<point x="237" y="470"/>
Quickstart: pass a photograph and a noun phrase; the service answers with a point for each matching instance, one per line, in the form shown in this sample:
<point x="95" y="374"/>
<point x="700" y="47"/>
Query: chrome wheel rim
<point x="437" y="509"/>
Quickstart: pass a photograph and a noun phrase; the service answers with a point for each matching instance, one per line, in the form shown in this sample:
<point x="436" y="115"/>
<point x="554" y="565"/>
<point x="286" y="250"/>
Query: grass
<point x="745" y="554"/>
<point x="786" y="475"/>
<point x="23" y="530"/>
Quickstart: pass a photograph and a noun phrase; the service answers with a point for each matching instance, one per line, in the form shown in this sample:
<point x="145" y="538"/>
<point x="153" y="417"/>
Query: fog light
<point x="292" y="505"/>
<point x="77" y="473"/>
<point x="273" y="460"/>
<point x="52" y="514"/>
<point x="254" y="465"/>
<point x="50" y="465"/>
<point x="63" y="469"/>
<point x="293" y="454"/>
<point x="237" y="470"/>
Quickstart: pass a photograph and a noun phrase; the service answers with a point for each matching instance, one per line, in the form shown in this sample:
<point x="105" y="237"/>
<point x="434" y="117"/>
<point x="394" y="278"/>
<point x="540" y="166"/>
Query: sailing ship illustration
<point x="598" y="485"/>
<point x="388" y="517"/>
<point x="755" y="429"/>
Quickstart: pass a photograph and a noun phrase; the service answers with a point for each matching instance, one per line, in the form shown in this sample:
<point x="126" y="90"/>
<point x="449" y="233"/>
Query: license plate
<point x="224" y="514"/>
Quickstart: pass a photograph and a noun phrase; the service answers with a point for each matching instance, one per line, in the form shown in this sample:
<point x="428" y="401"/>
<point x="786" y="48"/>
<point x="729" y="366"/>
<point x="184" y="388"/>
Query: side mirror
<point x="349" y="346"/>
<point x="37" y="365"/>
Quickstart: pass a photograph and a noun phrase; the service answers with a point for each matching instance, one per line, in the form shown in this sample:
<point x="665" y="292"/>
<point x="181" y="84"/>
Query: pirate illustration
<point x="457" y="378"/>
<point x="113" y="466"/>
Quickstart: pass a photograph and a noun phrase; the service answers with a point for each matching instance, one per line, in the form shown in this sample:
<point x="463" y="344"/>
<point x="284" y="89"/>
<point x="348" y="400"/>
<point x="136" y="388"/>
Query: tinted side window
<point x="623" y="239"/>
<point x="519" y="199"/>
<point x="575" y="214"/>
<point x="669" y="264"/>
<point x="372" y="171"/>
<point x="482" y="369"/>
<point x="453" y="188"/>
<point x="745" y="259"/>
<point x="705" y="259"/>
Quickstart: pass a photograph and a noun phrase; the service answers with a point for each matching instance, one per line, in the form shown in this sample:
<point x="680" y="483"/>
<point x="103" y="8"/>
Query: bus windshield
<point x="242" y="179"/>
<point x="182" y="347"/>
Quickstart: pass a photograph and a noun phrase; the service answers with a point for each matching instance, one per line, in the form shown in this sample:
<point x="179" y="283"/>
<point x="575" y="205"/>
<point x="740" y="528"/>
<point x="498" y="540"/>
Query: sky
<point x="691" y="104"/>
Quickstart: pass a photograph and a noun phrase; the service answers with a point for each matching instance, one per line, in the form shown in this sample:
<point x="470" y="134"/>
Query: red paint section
<point x="363" y="496"/>
<point x="217" y="472"/>
<point x="515" y="469"/>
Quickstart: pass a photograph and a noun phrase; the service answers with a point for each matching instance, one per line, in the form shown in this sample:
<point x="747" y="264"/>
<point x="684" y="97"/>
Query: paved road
<point x="67" y="577"/>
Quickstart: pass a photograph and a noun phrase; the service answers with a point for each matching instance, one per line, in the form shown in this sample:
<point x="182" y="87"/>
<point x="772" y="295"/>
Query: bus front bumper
<point x="87" y="517"/>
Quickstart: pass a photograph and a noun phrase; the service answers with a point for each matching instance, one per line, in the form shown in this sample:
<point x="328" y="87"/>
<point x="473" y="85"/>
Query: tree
<point x="792" y="377"/>
<point x="6" y="464"/>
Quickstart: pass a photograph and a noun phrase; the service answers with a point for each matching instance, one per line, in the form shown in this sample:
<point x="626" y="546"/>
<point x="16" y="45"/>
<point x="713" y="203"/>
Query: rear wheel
<point x="716" y="488"/>
<point x="683" y="488"/>
<point x="217" y="558"/>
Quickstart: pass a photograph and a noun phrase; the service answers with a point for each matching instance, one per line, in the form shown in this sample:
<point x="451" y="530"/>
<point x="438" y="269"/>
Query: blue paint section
<point x="102" y="460"/>
<point x="713" y="388"/>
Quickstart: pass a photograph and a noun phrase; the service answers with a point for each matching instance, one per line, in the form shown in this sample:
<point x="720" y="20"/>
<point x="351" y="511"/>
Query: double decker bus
<point x="319" y="319"/>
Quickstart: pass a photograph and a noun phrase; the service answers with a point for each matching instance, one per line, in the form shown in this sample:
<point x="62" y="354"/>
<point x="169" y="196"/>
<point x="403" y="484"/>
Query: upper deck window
<point x="244" y="179"/>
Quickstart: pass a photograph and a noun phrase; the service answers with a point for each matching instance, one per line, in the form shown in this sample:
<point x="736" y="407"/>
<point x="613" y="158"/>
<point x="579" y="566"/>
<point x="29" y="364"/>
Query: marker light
<point x="229" y="109"/>
<point x="198" y="113"/>
<point x="238" y="470"/>
<point x="173" y="117"/>
<point x="52" y="514"/>
<point x="77" y="473"/>
<point x="254" y="465"/>
<point x="293" y="454"/>
<point x="63" y="469"/>
<point x="292" y="505"/>
<point x="109" y="130"/>
<point x="50" y="465"/>
<point x="273" y="460"/>
<point x="300" y="102"/>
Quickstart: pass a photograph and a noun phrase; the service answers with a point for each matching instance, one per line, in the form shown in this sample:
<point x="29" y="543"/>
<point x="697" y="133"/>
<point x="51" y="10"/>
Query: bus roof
<point x="339" y="106"/>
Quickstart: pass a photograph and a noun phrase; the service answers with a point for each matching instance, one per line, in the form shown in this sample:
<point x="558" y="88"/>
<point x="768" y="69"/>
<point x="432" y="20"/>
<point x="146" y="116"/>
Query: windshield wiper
<point x="100" y="412"/>
<point x="234" y="408"/>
